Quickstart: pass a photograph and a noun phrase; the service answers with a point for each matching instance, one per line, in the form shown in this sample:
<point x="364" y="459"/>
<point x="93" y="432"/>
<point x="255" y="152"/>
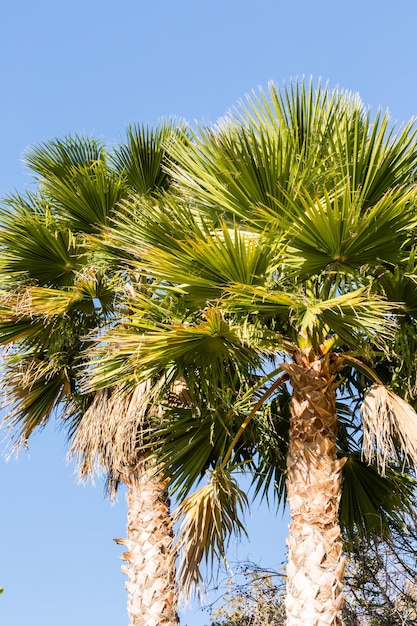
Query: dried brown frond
<point x="109" y="437"/>
<point x="179" y="394"/>
<point x="389" y="428"/>
<point x="207" y="519"/>
<point x="13" y="302"/>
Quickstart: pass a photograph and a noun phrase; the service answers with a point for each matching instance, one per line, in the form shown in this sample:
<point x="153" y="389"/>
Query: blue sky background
<point x="92" y="67"/>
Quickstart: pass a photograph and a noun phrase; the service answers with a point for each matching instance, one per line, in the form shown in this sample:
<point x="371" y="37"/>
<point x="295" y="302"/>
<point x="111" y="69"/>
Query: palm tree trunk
<point x="315" y="560"/>
<point x="152" y="597"/>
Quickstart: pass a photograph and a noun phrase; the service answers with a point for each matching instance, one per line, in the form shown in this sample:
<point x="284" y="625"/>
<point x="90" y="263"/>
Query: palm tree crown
<point x="276" y="266"/>
<point x="59" y="291"/>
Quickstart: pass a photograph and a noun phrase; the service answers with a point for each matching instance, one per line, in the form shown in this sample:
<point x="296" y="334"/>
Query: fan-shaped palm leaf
<point x="208" y="517"/>
<point x="142" y="157"/>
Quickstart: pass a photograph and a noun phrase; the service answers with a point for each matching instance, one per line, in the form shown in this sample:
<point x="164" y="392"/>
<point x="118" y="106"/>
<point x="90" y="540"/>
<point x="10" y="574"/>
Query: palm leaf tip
<point x="207" y="518"/>
<point x="389" y="428"/>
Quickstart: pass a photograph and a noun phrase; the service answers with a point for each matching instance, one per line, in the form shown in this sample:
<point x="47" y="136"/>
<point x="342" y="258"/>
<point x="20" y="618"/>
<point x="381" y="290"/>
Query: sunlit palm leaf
<point x="167" y="240"/>
<point x="88" y="198"/>
<point x="58" y="158"/>
<point x="48" y="301"/>
<point x="17" y="329"/>
<point x="390" y="428"/>
<point x="209" y="345"/>
<point x="34" y="247"/>
<point x="278" y="143"/>
<point x="349" y="315"/>
<point x="338" y="231"/>
<point x="217" y="261"/>
<point x="372" y="156"/>
<point x="143" y="156"/>
<point x="271" y="144"/>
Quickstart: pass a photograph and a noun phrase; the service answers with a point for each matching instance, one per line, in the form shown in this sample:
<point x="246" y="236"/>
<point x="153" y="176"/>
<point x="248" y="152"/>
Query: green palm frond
<point x="214" y="261"/>
<point x="28" y="205"/>
<point x="212" y="345"/>
<point x="350" y="315"/>
<point x="74" y="175"/>
<point x="30" y="395"/>
<point x="370" y="501"/>
<point x="57" y="292"/>
<point x="88" y="295"/>
<point x="47" y="301"/>
<point x="356" y="316"/>
<point x="88" y="198"/>
<point x="35" y="248"/>
<point x="271" y="145"/>
<point x="400" y="284"/>
<point x="337" y="231"/>
<point x="57" y="159"/>
<point x="166" y="239"/>
<point x="142" y="157"/>
<point x="277" y="143"/>
<point x="14" y="329"/>
<point x="142" y="222"/>
<point x="189" y="441"/>
<point x="372" y="156"/>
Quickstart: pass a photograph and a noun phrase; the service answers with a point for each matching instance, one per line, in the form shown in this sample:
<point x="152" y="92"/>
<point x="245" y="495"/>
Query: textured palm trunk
<point x="152" y="597"/>
<point x="315" y="560"/>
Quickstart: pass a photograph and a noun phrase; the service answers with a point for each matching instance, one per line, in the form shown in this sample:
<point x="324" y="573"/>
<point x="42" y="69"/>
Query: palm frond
<point x="389" y="428"/>
<point x="337" y="230"/>
<point x="271" y="144"/>
<point x="29" y="400"/>
<point x="188" y="441"/>
<point x="372" y="155"/>
<point x="142" y="157"/>
<point x="279" y="142"/>
<point x="207" y="519"/>
<point x="210" y="345"/>
<point x="34" y="247"/>
<point x="87" y="199"/>
<point x="370" y="502"/>
<point x="109" y="437"/>
<point x="355" y="314"/>
<point x="57" y="158"/>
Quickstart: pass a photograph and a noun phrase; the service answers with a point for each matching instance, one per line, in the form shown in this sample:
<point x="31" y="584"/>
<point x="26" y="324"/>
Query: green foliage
<point x="59" y="290"/>
<point x="214" y="258"/>
<point x="289" y="233"/>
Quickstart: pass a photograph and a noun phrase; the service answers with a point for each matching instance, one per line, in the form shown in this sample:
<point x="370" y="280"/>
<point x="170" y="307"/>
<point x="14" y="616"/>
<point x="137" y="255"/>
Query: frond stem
<point x="248" y="419"/>
<point x="361" y="365"/>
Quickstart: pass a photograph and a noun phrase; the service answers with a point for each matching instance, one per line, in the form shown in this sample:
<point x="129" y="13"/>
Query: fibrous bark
<point x="152" y="597"/>
<point x="315" y="560"/>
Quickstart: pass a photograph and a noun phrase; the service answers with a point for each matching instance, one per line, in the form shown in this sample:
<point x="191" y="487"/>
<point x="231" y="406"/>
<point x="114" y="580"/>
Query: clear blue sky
<point x="92" y="67"/>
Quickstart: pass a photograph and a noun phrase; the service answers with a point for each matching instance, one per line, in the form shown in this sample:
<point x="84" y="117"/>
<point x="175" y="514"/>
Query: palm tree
<point x="275" y="274"/>
<point x="59" y="291"/>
